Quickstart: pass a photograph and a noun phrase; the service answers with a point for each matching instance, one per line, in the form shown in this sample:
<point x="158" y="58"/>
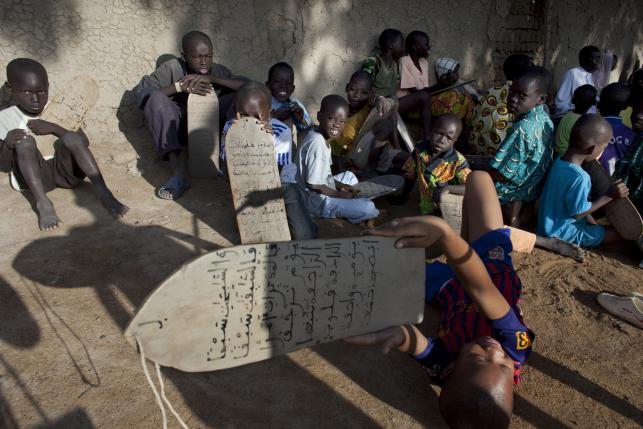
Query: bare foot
<point x="115" y="207"/>
<point x="372" y="223"/>
<point x="47" y="217"/>
<point x="561" y="247"/>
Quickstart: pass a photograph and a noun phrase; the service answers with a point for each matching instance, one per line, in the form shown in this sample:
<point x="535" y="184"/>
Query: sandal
<point x="629" y="308"/>
<point x="175" y="187"/>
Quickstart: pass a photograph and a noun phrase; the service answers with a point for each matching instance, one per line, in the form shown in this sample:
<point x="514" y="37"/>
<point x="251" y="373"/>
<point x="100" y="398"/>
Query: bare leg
<point x="420" y="100"/>
<point x="481" y="200"/>
<point x="78" y="147"/>
<point x="612" y="241"/>
<point x="28" y="161"/>
<point x="561" y="247"/>
<point x="511" y="213"/>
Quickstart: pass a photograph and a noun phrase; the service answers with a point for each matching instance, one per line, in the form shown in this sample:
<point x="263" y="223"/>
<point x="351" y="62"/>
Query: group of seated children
<point x="483" y="342"/>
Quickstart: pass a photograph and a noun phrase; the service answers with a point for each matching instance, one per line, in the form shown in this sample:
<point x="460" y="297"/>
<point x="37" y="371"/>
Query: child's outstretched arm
<point x="423" y="231"/>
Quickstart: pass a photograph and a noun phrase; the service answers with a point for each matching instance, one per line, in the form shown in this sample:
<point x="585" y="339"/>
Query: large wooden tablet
<point x="68" y="108"/>
<point x="451" y="209"/>
<point x="379" y="186"/>
<point x="203" y="135"/>
<point x="621" y="213"/>
<point x="255" y="184"/>
<point x="248" y="303"/>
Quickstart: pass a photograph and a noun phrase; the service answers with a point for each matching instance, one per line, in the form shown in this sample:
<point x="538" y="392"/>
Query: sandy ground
<point x="67" y="296"/>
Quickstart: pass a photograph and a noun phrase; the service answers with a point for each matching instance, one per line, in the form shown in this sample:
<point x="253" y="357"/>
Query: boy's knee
<point x="26" y="144"/>
<point x="72" y="140"/>
<point x="156" y="99"/>
<point x="425" y="97"/>
<point x="478" y="176"/>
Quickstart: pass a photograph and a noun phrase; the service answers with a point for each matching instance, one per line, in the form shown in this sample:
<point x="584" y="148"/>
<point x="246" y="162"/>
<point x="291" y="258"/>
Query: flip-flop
<point x="175" y="186"/>
<point x="629" y="308"/>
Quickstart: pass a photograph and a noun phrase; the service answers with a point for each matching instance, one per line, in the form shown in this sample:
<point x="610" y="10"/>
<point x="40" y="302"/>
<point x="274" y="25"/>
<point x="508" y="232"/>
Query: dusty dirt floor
<point x="66" y="297"/>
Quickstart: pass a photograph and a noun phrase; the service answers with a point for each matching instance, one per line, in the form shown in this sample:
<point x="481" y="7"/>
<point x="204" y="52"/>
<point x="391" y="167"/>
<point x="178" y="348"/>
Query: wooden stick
<point x="457" y="85"/>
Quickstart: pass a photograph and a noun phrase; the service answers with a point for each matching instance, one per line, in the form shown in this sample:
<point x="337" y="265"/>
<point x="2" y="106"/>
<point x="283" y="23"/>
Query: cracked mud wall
<point x="118" y="41"/>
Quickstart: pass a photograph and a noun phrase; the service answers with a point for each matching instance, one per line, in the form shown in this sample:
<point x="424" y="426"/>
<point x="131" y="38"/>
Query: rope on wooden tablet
<point x="169" y="404"/>
<point x="155" y="391"/>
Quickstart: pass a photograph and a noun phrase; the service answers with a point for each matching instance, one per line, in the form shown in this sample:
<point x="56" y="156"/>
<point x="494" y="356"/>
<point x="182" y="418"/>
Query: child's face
<point x="333" y="121"/>
<point x="281" y="84"/>
<point x="444" y="135"/>
<point x="591" y="61"/>
<point x="483" y="364"/>
<point x="30" y="93"/>
<point x="421" y="47"/>
<point x="198" y="57"/>
<point x="397" y="48"/>
<point x="255" y="106"/>
<point x="357" y="92"/>
<point x="524" y="96"/>
<point x="451" y="78"/>
<point x="637" y="118"/>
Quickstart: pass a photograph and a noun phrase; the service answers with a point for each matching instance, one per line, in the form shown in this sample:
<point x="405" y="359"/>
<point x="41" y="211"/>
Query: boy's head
<point x="589" y="58"/>
<point x="590" y="135"/>
<point x="196" y="50"/>
<point x="332" y="115"/>
<point x="445" y="132"/>
<point x="637" y="78"/>
<point x="447" y="71"/>
<point x="613" y="99"/>
<point x="528" y="90"/>
<point x="28" y="83"/>
<point x="359" y="89"/>
<point x="584" y="97"/>
<point x="253" y="100"/>
<point x="515" y="65"/>
<point x="281" y="81"/>
<point x="637" y="109"/>
<point x="392" y="41"/>
<point x="418" y="43"/>
<point x="478" y="389"/>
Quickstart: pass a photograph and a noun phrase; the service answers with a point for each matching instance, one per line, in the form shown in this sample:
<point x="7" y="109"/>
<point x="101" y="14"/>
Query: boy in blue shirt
<point x="565" y="210"/>
<point x="281" y="83"/>
<point x="614" y="100"/>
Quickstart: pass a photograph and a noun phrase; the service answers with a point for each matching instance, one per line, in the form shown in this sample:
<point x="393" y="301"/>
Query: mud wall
<point x="117" y="41"/>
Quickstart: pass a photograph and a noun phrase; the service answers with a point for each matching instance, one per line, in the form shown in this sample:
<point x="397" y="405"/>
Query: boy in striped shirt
<point x="482" y="342"/>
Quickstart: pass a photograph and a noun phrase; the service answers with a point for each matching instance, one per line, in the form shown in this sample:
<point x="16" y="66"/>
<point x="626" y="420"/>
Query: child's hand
<point x="298" y="112"/>
<point x="618" y="190"/>
<point x="265" y="126"/>
<point x="345" y="195"/>
<point x="380" y="104"/>
<point x="281" y="114"/>
<point x="196" y="84"/>
<point x="348" y="188"/>
<point x="416" y="231"/>
<point x="41" y="128"/>
<point x="14" y="137"/>
<point x="389" y="339"/>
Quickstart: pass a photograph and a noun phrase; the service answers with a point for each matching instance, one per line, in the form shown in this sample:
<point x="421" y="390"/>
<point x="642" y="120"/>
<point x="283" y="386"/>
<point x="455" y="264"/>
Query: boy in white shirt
<point x="327" y="195"/>
<point x="589" y="59"/>
<point x="20" y="124"/>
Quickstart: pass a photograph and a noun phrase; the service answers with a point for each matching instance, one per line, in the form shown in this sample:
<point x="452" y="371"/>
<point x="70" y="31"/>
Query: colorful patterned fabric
<point x="525" y="156"/>
<point x="630" y="170"/>
<point x="453" y="101"/>
<point x="386" y="78"/>
<point x="449" y="168"/>
<point x="490" y="121"/>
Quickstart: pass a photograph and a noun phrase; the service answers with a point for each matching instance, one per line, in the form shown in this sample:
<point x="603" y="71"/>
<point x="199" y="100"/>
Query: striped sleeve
<point x="283" y="142"/>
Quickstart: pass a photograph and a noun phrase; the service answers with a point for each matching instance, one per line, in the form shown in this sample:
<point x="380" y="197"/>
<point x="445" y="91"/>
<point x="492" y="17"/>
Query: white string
<point x="176" y="415"/>
<point x="151" y="383"/>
